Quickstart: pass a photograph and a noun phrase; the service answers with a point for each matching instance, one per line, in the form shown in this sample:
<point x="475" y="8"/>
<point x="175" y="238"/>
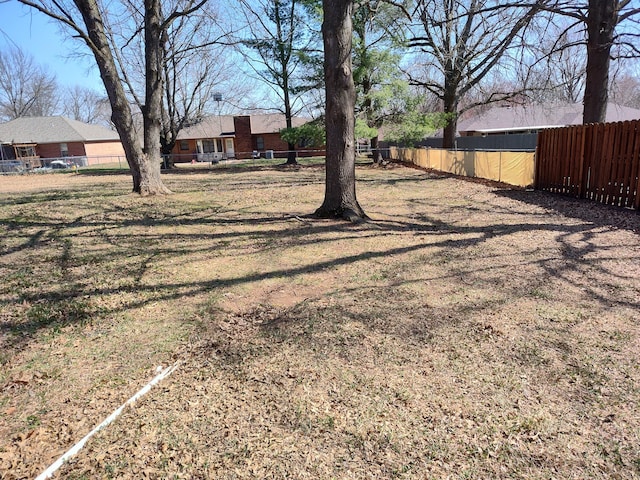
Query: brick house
<point x="242" y="136"/>
<point x="33" y="140"/>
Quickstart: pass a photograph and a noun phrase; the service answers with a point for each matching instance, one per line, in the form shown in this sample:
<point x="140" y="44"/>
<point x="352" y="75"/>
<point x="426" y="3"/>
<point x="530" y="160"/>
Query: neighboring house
<point x="210" y="139"/>
<point x="516" y="127"/>
<point x="229" y="136"/>
<point x="521" y="119"/>
<point x="33" y="140"/>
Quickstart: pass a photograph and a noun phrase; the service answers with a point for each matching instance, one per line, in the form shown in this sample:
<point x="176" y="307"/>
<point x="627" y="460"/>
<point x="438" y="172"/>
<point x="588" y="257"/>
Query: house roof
<point x="210" y="127"/>
<point x="41" y="130"/>
<point x="535" y="117"/>
<point x="224" y="126"/>
<point x="272" y="123"/>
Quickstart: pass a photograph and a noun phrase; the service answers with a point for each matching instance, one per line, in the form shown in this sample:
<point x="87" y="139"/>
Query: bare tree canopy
<point x="626" y="88"/>
<point x="193" y="66"/>
<point x="611" y="31"/>
<point x="26" y="88"/>
<point x="89" y="20"/>
<point x="86" y="105"/>
<point x="191" y="77"/>
<point x="463" y="42"/>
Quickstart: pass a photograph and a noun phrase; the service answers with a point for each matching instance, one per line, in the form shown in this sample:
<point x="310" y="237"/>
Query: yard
<point x="466" y="331"/>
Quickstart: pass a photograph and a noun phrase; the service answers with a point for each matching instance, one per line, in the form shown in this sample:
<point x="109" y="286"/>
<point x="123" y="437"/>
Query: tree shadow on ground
<point x="597" y="214"/>
<point x="130" y="254"/>
<point x="64" y="271"/>
<point x="131" y="243"/>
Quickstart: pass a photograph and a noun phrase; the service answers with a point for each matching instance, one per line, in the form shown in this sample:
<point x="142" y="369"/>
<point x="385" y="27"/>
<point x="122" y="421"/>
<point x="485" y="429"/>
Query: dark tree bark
<point x="288" y="115"/>
<point x="153" y="32"/>
<point x="602" y="18"/>
<point x="145" y="169"/>
<point x="376" y="154"/>
<point x="450" y="103"/>
<point x="340" y="184"/>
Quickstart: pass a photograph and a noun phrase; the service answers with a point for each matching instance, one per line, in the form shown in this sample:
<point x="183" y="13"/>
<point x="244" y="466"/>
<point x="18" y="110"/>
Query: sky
<point x="34" y="33"/>
<point x="53" y="48"/>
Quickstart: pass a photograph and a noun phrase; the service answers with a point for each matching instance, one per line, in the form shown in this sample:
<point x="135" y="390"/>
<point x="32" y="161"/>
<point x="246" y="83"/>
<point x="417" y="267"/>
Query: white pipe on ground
<point x="48" y="473"/>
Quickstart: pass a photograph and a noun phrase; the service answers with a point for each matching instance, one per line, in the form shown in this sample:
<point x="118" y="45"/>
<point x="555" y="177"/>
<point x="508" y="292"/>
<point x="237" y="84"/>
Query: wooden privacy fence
<point x="514" y="168"/>
<point x="599" y="162"/>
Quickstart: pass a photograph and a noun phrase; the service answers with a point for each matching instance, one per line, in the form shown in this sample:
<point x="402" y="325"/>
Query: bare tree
<point x="605" y="40"/>
<point x="552" y="67"/>
<point x="26" y="88"/>
<point x="340" y="187"/>
<point x="86" y="20"/>
<point x="86" y="105"/>
<point x="192" y="75"/>
<point x="601" y="20"/>
<point x="625" y="88"/>
<point x="464" y="41"/>
<point x="193" y="67"/>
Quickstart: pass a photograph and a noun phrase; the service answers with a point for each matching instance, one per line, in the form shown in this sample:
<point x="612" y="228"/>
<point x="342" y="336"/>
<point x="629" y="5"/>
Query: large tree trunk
<point x="601" y="24"/>
<point x="145" y="179"/>
<point x="151" y="183"/>
<point x="449" y="133"/>
<point x="340" y="184"/>
<point x="450" y="101"/>
<point x="376" y="154"/>
<point x="288" y="114"/>
<point x="292" y="155"/>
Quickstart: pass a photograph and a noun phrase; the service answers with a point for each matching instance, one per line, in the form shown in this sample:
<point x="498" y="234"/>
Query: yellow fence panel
<point x="488" y="165"/>
<point x="514" y="168"/>
<point x="518" y="169"/>
<point x="448" y="160"/>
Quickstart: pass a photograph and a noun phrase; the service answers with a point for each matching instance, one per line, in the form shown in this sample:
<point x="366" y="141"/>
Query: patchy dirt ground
<point x="466" y="331"/>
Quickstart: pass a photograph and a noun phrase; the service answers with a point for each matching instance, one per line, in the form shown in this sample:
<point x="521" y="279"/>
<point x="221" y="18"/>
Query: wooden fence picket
<point x="599" y="162"/>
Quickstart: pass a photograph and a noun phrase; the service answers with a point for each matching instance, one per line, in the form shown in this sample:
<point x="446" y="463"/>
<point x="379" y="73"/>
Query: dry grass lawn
<point x="466" y="331"/>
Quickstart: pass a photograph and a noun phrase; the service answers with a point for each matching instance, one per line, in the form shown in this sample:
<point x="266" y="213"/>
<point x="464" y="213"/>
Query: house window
<point x="207" y="146"/>
<point x="260" y="143"/>
<point x="184" y="145"/>
<point x="219" y="145"/>
<point x="64" y="150"/>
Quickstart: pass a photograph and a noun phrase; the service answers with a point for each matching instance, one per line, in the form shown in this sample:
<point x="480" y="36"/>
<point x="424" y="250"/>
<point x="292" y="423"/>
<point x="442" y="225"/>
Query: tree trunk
<point x="121" y="113"/>
<point x="601" y="24"/>
<point x="340" y="184"/>
<point x="375" y="150"/>
<point x="151" y="183"/>
<point x="292" y="157"/>
<point x="450" y="100"/>
<point x="145" y="179"/>
<point x="449" y="133"/>
<point x="288" y="114"/>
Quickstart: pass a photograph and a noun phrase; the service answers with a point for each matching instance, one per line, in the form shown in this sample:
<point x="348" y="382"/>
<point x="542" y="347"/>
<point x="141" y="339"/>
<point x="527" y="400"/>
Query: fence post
<point x="542" y="154"/>
<point x="581" y="173"/>
<point x="635" y="164"/>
